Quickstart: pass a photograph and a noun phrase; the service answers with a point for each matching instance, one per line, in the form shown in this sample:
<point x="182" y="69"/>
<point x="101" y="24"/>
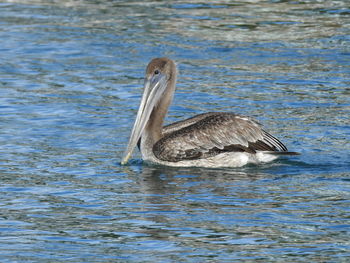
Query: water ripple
<point x="71" y="75"/>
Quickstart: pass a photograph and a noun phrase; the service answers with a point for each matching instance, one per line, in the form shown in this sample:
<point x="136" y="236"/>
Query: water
<point x="71" y="75"/>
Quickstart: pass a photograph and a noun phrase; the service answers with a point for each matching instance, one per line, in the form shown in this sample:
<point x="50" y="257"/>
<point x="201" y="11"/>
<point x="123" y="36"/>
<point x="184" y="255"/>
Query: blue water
<point x="71" y="75"/>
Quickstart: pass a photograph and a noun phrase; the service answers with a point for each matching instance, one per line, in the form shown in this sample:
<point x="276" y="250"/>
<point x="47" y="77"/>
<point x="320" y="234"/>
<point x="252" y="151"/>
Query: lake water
<point x="71" y="75"/>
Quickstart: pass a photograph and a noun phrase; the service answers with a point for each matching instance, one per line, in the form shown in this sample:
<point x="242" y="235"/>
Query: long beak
<point x="153" y="89"/>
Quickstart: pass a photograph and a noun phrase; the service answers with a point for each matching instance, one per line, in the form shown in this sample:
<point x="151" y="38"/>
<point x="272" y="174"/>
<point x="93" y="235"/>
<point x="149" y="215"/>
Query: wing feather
<point x="213" y="133"/>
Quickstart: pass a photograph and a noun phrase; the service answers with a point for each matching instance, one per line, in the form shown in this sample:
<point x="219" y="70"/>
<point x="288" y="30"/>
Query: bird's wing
<point x="175" y="126"/>
<point x="213" y="133"/>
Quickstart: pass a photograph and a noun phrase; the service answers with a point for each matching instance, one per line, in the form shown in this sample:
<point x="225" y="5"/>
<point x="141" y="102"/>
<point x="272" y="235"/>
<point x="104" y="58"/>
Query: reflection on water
<point x="70" y="83"/>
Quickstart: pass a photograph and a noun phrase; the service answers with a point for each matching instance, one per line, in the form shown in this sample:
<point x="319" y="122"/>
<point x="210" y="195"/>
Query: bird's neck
<point x="153" y="131"/>
<point x="154" y="126"/>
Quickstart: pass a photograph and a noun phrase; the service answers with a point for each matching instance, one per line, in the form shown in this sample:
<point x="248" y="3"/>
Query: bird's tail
<point x="282" y="153"/>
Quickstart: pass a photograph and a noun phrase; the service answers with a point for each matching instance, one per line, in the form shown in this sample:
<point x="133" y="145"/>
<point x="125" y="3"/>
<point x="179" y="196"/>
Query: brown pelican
<point x="214" y="139"/>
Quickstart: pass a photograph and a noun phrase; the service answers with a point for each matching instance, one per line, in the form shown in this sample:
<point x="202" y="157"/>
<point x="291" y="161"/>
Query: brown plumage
<point x="211" y="139"/>
<point x="214" y="133"/>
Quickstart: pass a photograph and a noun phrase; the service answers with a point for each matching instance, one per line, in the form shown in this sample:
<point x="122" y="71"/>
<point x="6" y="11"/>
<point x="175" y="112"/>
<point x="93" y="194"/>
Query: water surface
<point x="71" y="75"/>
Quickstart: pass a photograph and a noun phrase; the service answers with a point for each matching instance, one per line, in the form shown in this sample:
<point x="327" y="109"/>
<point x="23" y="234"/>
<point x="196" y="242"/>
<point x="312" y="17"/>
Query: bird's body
<point x="214" y="139"/>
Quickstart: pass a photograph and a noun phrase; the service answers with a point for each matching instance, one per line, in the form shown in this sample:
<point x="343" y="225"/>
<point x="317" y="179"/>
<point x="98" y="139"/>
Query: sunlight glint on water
<point x="71" y="75"/>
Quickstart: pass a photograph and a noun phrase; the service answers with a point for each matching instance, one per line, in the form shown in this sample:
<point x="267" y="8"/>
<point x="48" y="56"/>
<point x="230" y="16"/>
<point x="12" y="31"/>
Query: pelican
<point x="213" y="139"/>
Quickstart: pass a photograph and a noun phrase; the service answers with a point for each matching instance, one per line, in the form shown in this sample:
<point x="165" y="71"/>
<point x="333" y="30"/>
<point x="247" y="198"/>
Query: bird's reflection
<point x="172" y="196"/>
<point x="160" y="180"/>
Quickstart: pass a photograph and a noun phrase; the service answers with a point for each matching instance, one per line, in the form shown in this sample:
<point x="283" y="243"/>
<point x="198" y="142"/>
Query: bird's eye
<point x="156" y="72"/>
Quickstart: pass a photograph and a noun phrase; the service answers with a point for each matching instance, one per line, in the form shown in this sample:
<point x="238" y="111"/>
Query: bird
<point x="211" y="140"/>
